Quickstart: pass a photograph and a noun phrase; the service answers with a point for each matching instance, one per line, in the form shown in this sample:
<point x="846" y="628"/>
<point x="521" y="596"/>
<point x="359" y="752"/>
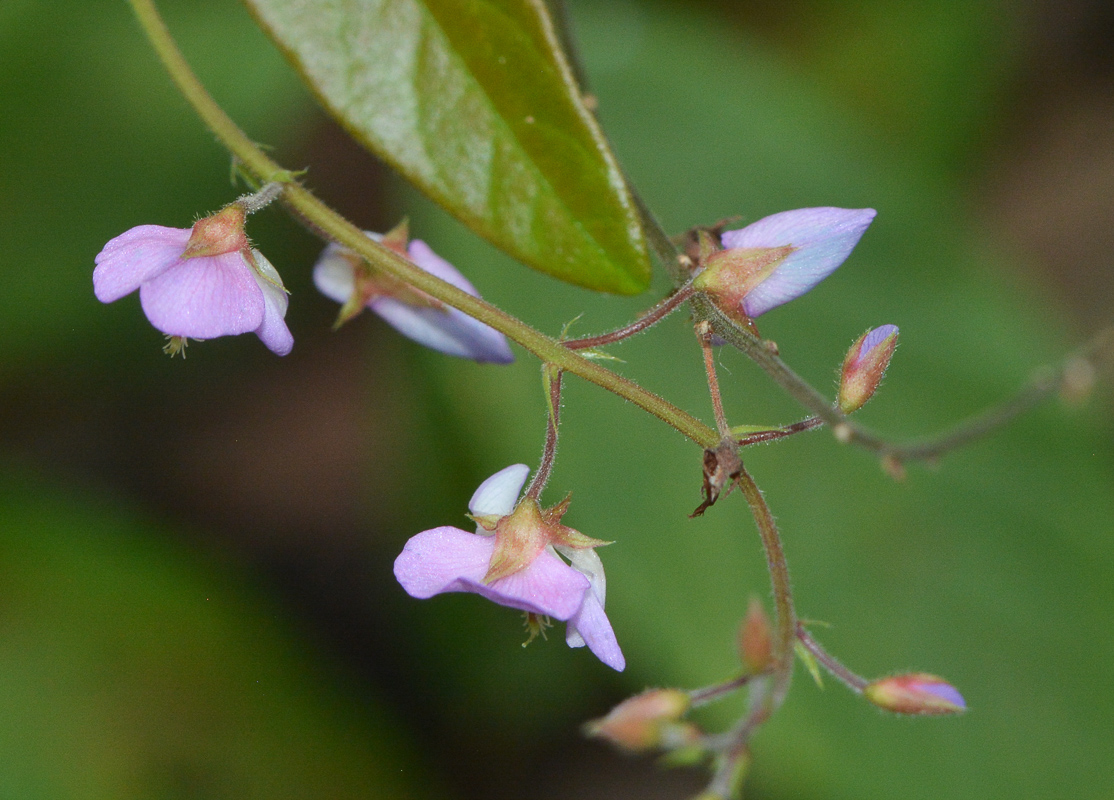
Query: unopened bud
<point x="864" y="367"/>
<point x="915" y="693"/>
<point x="638" y="723"/>
<point x="755" y="644"/>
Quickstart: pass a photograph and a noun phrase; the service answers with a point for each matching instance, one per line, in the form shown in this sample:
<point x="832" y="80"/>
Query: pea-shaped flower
<point x="779" y="258"/>
<point x="343" y="276"/>
<point x="197" y="283"/>
<point x="512" y="559"/>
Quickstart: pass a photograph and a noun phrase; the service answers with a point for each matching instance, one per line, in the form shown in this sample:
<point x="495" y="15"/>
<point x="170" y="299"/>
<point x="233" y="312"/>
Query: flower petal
<point x="587" y="562"/>
<point x="272" y="331"/>
<point x="332" y="274"/>
<point x="497" y="495"/>
<point x="446" y="330"/>
<point x="135" y="257"/>
<point x="448" y="559"/>
<point x="436" y="561"/>
<point x="204" y="297"/>
<point x="590" y="625"/>
<point x="823" y="238"/>
<point x="873" y="339"/>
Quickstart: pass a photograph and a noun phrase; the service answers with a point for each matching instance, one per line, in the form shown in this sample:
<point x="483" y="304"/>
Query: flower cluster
<point x="208" y="281"/>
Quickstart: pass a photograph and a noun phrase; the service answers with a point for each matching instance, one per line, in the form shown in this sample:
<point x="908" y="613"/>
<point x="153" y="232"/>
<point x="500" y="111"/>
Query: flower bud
<point x="915" y="693"/>
<point x="755" y="645"/>
<point x="638" y="723"/>
<point x="778" y="258"/>
<point x="864" y="367"/>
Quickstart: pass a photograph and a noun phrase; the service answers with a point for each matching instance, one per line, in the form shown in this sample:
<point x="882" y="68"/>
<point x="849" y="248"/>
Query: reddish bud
<point x="864" y="367"/>
<point x="915" y="693"/>
<point x="755" y="644"/>
<point x="640" y="722"/>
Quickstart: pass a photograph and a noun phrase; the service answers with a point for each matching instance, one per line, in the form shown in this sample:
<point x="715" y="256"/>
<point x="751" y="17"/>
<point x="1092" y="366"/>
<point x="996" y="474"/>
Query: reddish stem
<point x="780" y="433"/>
<point x="549" y="452"/>
<point x="651" y="317"/>
<point x="855" y="683"/>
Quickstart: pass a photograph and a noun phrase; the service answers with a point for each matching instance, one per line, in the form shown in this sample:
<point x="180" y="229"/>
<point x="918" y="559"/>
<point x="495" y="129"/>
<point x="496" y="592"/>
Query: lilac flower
<point x="197" y="283"/>
<point x="780" y="257"/>
<point x="343" y="276"/>
<point x="447" y="559"/>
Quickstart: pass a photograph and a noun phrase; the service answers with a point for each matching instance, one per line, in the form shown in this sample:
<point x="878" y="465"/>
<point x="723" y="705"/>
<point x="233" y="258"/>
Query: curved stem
<point x="650" y="318"/>
<point x="779" y="580"/>
<point x="549" y="453"/>
<point x="855" y="683"/>
<point x="328" y="222"/>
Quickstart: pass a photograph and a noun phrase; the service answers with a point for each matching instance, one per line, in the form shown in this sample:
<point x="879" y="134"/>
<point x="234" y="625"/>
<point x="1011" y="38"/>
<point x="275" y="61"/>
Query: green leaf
<point x="475" y="104"/>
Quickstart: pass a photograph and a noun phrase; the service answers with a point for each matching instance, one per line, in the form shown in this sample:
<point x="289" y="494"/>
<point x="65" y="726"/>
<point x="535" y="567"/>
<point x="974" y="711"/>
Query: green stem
<point x="779" y="580"/>
<point x="328" y="222"/>
<point x="1097" y="353"/>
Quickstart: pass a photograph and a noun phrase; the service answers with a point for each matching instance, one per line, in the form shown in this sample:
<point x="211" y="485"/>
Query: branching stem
<point x="1097" y="353"/>
<point x="855" y="683"/>
<point x="322" y="218"/>
<point x="650" y="318"/>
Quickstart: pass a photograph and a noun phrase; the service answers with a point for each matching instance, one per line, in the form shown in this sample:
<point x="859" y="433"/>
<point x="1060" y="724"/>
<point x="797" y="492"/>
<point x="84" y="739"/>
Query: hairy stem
<point x="549" y="453"/>
<point x="647" y="320"/>
<point x="709" y="694"/>
<point x="786" y="629"/>
<point x="704" y="334"/>
<point x="855" y="683"/>
<point x="323" y="219"/>
<point x="1097" y="353"/>
<point x="780" y="433"/>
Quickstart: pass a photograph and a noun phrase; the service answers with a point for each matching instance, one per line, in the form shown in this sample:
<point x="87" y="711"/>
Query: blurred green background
<point x="195" y="590"/>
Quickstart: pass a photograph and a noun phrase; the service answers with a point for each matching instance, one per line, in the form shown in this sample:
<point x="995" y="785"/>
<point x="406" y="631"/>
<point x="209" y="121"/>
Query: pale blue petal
<point x="272" y="331"/>
<point x="822" y="238"/>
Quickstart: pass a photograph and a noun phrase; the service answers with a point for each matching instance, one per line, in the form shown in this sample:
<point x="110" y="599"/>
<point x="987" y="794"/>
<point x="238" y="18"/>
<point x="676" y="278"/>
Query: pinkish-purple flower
<point x="340" y="275"/>
<point x="214" y="293"/>
<point x="448" y="559"/>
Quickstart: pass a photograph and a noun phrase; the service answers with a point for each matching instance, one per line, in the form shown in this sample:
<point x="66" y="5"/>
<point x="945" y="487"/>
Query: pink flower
<point x="197" y="283"/>
<point x="447" y="559"/>
<point x="343" y="276"/>
<point x="780" y="257"/>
